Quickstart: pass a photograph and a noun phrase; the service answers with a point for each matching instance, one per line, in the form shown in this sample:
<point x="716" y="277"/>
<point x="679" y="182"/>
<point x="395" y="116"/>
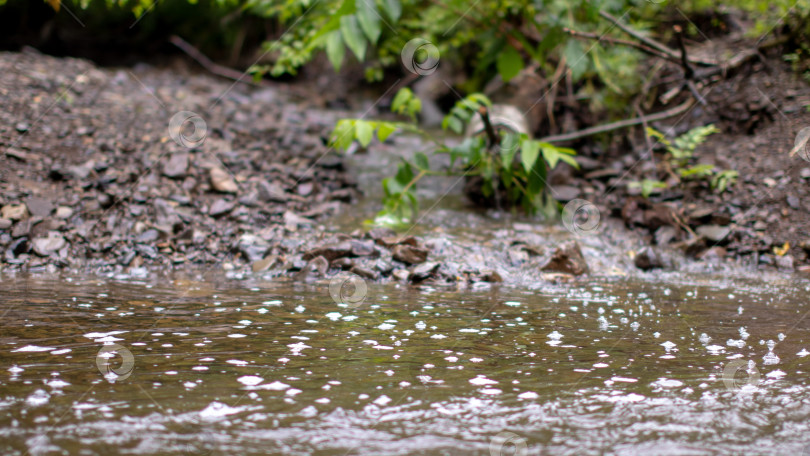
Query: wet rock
<point x="167" y="219"/>
<point x="713" y="255"/>
<point x="785" y="262"/>
<point x="409" y="254"/>
<point x="81" y="172"/>
<point x="105" y="201"/>
<point x="221" y="207"/>
<point x="292" y="221"/>
<point x="715" y="233"/>
<point x="177" y="166"/>
<point x="793" y="201"/>
<point x="22" y="229"/>
<point x="665" y="234"/>
<point x="265" y="263"/>
<point x="5" y="224"/>
<point x="47" y="246"/>
<point x="363" y="248"/>
<point x="423" y="272"/>
<point x="342" y="263"/>
<point x="517" y="255"/>
<point x="252" y="247"/>
<point x="147" y="251"/>
<point x="305" y="188"/>
<point x="649" y="258"/>
<point x="365" y="272"/>
<point x="567" y="258"/>
<point x="396" y="240"/>
<point x="14" y="212"/>
<point x="317" y="267"/>
<point x="491" y="276"/>
<point x="39" y="207"/>
<point x="221" y="181"/>
<point x="401" y="274"/>
<point x="330" y="252"/>
<point x="64" y="212"/>
<point x="272" y="192"/>
<point x="149" y="236"/>
<point x="380" y="233"/>
<point x="18" y="247"/>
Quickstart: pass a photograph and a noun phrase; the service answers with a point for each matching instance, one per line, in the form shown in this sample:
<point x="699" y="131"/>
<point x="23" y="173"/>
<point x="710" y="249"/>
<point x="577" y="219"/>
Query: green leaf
<point x="453" y="123"/>
<point x="529" y="151"/>
<point x="575" y="58"/>
<point x="365" y="132"/>
<point x="536" y="179"/>
<point x="400" y="99"/>
<point x="570" y="160"/>
<point x="421" y="161"/>
<point x="414" y="106"/>
<point x="509" y="63"/>
<point x="393" y="8"/>
<point x="335" y="49"/>
<point x="550" y="154"/>
<point x="369" y="19"/>
<point x="385" y="130"/>
<point x="353" y="36"/>
<point x="343" y="135"/>
<point x="404" y="174"/>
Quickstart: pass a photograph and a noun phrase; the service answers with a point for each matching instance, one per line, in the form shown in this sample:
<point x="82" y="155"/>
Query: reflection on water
<point x="187" y="366"/>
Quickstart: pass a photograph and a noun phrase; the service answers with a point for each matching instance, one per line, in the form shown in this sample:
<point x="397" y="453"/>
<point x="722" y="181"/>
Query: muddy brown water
<point x="209" y="365"/>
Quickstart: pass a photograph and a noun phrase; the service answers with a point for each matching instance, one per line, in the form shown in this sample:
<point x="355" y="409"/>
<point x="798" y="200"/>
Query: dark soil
<point x="764" y="219"/>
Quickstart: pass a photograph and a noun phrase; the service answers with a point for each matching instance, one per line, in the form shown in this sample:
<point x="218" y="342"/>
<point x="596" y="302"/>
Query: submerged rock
<point x="649" y="258"/>
<point x="567" y="258"/>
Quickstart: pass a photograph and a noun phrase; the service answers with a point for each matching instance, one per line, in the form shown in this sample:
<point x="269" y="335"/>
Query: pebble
<point x="14" y="212"/>
<point x="47" y="246"/>
<point x="221" y="181"/>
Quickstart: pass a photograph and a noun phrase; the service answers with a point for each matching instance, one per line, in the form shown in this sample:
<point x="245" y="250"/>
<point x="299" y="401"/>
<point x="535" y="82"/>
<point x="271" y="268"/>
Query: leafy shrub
<point x="511" y="162"/>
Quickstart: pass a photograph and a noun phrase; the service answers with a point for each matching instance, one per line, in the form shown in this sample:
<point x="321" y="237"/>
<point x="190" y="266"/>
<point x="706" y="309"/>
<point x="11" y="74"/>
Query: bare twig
<point x="649" y="41"/>
<point x="640" y="46"/>
<point x="206" y="63"/>
<point x="672" y="112"/>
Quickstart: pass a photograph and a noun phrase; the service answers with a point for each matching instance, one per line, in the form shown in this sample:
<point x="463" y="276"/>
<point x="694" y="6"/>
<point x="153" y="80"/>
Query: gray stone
<point x="47" y="246"/>
<point x="177" y="166"/>
<point x="714" y="233"/>
<point x="220" y="208"/>
<point x="39" y="207"/>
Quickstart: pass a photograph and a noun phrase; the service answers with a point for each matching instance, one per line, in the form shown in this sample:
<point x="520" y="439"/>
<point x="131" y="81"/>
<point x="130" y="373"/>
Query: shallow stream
<point x="208" y="365"/>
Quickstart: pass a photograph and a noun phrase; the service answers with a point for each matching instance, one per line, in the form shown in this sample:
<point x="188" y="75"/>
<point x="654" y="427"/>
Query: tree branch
<point x="672" y="112"/>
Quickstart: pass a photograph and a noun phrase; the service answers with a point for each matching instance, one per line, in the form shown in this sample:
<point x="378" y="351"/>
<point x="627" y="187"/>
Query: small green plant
<point x="648" y="187"/>
<point x="722" y="180"/>
<point x="511" y="165"/>
<point x="680" y="151"/>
